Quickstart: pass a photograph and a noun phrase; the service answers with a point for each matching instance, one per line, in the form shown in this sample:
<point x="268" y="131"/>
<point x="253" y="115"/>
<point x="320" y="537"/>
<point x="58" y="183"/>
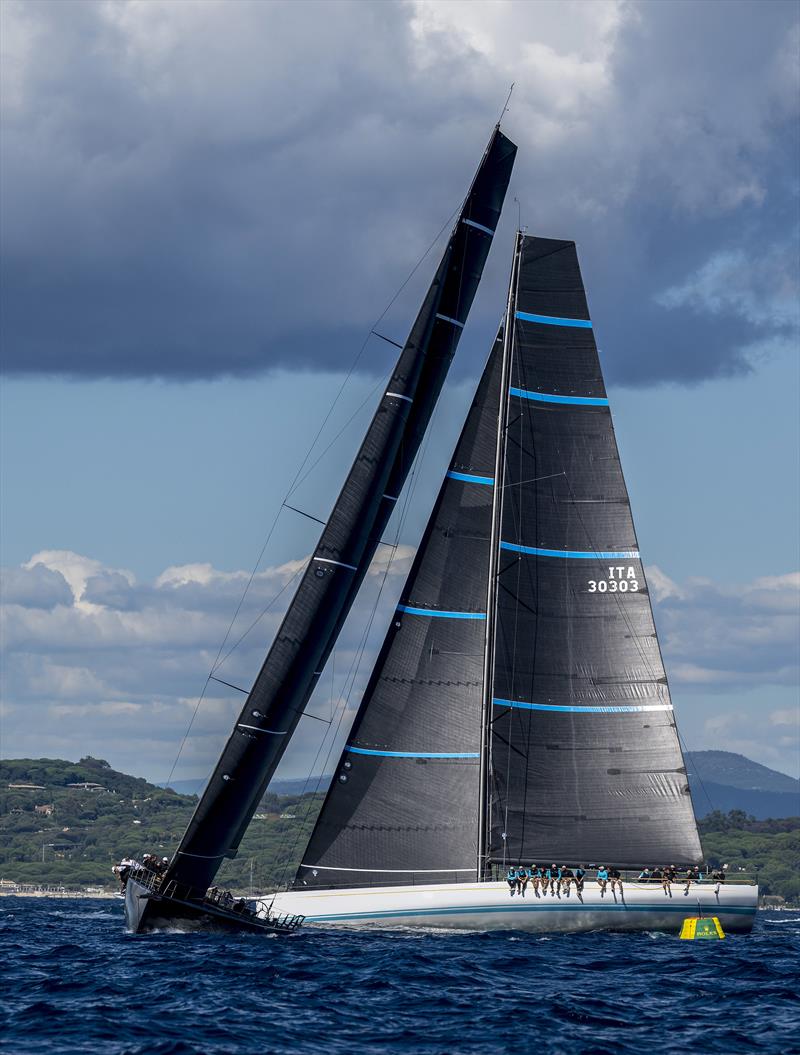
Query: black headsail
<point x="585" y="759"/>
<point x="404" y="803"/>
<point x="349" y="539"/>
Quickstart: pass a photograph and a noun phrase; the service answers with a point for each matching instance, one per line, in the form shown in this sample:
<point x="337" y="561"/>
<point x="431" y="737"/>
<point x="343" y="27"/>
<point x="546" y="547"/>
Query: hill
<point x="768" y="849"/>
<point x="720" y="780"/>
<point x="281" y="786"/>
<point x="67" y="823"/>
<point x="724" y="781"/>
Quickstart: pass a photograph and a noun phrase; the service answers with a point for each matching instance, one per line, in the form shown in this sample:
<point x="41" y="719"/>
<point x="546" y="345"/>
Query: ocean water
<point x="74" y="982"/>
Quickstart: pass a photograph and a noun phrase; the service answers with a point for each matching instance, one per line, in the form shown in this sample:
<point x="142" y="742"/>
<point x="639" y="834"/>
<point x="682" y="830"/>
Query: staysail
<point x="348" y="542"/>
<point x="585" y="760"/>
<point x="404" y="802"/>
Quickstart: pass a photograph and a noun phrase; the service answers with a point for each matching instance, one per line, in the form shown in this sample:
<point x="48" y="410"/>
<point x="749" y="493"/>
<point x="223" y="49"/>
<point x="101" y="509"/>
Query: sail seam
<point x="396" y="395"/>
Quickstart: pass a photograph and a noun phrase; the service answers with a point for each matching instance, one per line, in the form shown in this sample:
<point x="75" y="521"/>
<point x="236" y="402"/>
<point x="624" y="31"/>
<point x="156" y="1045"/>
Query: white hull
<point x="489" y="906"/>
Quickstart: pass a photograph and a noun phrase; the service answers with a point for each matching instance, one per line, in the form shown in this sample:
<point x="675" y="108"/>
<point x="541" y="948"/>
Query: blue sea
<point x="73" y="981"/>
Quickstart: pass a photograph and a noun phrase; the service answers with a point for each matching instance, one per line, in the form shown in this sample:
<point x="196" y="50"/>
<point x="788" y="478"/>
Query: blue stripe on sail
<point x="553" y="320"/>
<point x="622" y="709"/>
<point x="622" y="554"/>
<point x="470" y="479"/>
<point x="576" y="554"/>
<point x="413" y="754"/>
<point x="440" y="615"/>
<point x="546" y="397"/>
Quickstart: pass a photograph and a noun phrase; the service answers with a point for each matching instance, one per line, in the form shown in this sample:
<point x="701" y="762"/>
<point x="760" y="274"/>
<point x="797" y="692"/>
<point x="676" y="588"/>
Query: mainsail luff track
<point x="348" y="542"/>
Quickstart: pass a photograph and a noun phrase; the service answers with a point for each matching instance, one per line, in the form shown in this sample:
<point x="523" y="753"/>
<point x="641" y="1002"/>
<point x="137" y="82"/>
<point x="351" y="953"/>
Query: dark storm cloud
<point x="197" y="189"/>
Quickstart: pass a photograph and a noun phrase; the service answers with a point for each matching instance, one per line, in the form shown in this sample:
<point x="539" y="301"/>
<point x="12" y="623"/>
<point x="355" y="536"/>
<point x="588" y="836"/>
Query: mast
<point x="494" y="549"/>
<point x="349" y="539"/>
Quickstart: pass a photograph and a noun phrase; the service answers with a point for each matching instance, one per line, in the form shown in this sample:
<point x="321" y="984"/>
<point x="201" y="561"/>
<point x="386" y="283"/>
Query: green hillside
<point x="75" y="820"/>
<point x="89" y="816"/>
<point x="769" y="849"/>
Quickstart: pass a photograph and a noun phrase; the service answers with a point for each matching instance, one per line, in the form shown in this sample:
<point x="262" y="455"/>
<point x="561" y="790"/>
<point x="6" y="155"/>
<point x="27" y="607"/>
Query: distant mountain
<point x="719" y="780"/>
<point x="723" y="780"/>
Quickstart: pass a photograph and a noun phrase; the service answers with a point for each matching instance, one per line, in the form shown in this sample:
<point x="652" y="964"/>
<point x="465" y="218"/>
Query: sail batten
<point x="349" y="539"/>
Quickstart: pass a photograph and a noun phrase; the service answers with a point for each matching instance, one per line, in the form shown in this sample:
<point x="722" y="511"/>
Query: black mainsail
<point x="555" y="688"/>
<point x="585" y="759"/>
<point x="348" y="542"/>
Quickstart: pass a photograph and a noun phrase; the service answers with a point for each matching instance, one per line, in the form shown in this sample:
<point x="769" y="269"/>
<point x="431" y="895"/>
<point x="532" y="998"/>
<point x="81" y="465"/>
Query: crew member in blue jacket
<point x="511" y="879"/>
<point x="602" y="879"/>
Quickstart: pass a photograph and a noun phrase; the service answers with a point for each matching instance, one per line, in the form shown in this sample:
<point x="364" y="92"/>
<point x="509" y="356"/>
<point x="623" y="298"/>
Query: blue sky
<point x="203" y="215"/>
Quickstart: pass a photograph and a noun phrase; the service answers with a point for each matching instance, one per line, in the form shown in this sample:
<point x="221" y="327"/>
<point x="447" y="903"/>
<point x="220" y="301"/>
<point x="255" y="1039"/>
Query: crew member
<point x="602" y="879"/>
<point x="580" y="877"/>
<point x="511" y="879"/>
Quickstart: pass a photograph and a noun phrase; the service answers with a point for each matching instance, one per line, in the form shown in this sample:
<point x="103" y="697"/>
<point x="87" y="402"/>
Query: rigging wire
<point x="296" y="481"/>
<point x="352" y="675"/>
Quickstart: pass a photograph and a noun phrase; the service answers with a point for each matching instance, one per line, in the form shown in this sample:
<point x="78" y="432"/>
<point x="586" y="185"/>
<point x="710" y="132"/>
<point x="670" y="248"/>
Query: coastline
<point x="98" y="894"/>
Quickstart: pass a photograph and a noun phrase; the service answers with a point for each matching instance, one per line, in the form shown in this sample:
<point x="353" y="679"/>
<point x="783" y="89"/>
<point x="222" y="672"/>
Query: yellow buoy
<point x="702" y="927"/>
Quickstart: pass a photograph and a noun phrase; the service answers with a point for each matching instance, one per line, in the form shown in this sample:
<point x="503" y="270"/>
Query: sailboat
<point x="182" y="895"/>
<point x="519" y="710"/>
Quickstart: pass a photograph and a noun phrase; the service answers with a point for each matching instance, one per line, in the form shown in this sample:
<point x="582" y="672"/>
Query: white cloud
<point x="729" y="636"/>
<point x="76" y="569"/>
<point x="122" y="680"/>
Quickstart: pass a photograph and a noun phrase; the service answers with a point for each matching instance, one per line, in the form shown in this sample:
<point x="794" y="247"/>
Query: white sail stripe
<point x="338" y="563"/>
<point x="478" y="226"/>
<point x="396" y="395"/>
<point x="446" y="318"/>
<point x="258" y="729"/>
<point x="392" y="498"/>
<point x="391" y="871"/>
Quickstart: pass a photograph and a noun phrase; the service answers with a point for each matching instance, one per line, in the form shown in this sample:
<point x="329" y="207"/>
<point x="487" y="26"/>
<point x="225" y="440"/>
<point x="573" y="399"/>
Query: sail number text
<point x="620" y="580"/>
